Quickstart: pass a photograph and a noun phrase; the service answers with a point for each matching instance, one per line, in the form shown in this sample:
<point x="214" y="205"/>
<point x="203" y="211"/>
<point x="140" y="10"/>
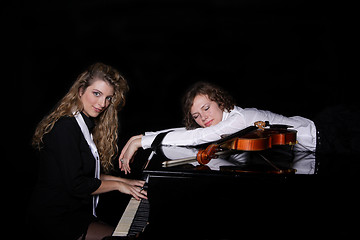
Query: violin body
<point x="256" y="140"/>
<point x="259" y="140"/>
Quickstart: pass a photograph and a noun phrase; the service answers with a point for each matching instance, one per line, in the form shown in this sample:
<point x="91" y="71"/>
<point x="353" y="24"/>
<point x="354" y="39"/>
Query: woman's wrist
<point x="137" y="142"/>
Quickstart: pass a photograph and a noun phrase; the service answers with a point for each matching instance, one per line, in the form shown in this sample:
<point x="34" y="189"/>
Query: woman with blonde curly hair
<point x="76" y="140"/>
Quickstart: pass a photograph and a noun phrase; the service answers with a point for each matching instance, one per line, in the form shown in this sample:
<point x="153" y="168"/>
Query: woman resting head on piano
<point x="210" y="112"/>
<point x="75" y="141"/>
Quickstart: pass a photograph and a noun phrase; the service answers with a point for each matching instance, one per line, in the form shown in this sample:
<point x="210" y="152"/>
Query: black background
<point x="289" y="57"/>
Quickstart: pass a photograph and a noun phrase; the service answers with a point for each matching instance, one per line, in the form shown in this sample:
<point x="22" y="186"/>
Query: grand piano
<point x="243" y="194"/>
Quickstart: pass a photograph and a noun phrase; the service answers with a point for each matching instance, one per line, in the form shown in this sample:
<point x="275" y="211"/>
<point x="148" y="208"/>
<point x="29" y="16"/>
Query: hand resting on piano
<point x="127" y="153"/>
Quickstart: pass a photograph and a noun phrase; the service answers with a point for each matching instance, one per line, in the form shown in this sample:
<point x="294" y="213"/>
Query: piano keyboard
<point x="134" y="219"/>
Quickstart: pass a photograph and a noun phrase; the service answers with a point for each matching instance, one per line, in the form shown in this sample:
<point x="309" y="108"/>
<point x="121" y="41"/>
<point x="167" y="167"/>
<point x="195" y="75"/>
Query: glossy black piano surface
<point x="247" y="199"/>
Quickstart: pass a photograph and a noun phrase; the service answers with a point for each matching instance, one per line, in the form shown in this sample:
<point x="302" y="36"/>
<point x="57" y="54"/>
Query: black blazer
<point x="62" y="197"/>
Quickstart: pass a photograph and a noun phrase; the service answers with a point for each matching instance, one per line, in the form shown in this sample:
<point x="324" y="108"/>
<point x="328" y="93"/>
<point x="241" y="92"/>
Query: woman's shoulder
<point x="236" y="111"/>
<point x="65" y="121"/>
<point x="65" y="125"/>
<point x="65" y="129"/>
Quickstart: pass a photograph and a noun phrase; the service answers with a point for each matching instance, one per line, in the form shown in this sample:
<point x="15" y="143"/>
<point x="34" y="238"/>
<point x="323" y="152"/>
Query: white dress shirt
<point x="234" y="121"/>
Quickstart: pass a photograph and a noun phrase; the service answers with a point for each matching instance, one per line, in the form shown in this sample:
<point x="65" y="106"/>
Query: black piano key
<point x="140" y="219"/>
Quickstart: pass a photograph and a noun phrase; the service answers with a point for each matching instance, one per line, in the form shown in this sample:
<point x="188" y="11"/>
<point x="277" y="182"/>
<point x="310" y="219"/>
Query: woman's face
<point x="206" y="112"/>
<point x="96" y="97"/>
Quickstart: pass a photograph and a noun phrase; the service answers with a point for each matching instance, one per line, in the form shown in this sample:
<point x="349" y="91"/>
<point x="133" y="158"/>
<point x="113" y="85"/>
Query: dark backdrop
<point x="290" y="57"/>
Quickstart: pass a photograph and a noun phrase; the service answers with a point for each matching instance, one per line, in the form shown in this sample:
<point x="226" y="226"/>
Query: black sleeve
<point x="65" y="146"/>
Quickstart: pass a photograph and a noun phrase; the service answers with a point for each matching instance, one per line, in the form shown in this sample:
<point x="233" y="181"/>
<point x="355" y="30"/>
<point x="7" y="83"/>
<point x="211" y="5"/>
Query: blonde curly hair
<point x="105" y="132"/>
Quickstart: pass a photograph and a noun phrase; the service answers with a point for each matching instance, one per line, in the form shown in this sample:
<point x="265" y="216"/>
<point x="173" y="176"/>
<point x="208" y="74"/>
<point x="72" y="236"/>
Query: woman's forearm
<point x="110" y="178"/>
<point x="107" y="186"/>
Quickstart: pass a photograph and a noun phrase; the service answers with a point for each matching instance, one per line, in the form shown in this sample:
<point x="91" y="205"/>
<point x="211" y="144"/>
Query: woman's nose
<point x="102" y="102"/>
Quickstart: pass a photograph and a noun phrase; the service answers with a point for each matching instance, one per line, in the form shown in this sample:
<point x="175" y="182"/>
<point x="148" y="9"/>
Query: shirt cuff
<point x="147" y="140"/>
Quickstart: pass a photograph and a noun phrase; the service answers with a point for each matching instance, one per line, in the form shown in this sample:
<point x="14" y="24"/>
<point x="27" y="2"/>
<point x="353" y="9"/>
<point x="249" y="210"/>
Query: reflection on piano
<point x="237" y="197"/>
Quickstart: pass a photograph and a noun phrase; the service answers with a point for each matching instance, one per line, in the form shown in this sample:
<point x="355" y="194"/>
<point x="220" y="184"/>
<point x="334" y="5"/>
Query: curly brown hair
<point x="213" y="92"/>
<point x="105" y="132"/>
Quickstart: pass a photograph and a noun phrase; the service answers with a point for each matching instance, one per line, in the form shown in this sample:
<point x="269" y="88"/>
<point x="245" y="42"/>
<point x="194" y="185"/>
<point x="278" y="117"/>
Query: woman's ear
<point x="221" y="106"/>
<point x="81" y="91"/>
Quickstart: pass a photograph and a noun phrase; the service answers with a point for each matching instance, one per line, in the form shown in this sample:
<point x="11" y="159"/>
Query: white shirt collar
<point x="226" y="114"/>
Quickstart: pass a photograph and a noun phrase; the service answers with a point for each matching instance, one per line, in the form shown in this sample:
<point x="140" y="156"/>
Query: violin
<point x="259" y="137"/>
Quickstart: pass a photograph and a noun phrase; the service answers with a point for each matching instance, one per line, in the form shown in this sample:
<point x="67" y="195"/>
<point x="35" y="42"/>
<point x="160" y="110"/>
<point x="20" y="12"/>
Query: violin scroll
<point x="261" y="125"/>
<point x="205" y="155"/>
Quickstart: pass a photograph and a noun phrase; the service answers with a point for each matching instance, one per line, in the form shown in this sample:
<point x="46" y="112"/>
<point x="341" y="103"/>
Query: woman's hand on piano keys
<point x="128" y="186"/>
<point x="128" y="151"/>
<point x="134" y="188"/>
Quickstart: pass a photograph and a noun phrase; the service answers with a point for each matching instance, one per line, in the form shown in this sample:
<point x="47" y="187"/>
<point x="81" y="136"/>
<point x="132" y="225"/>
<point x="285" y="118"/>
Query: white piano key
<point x="124" y="224"/>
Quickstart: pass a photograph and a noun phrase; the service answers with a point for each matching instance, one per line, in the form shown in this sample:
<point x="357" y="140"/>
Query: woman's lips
<point x="208" y="124"/>
<point x="97" y="110"/>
